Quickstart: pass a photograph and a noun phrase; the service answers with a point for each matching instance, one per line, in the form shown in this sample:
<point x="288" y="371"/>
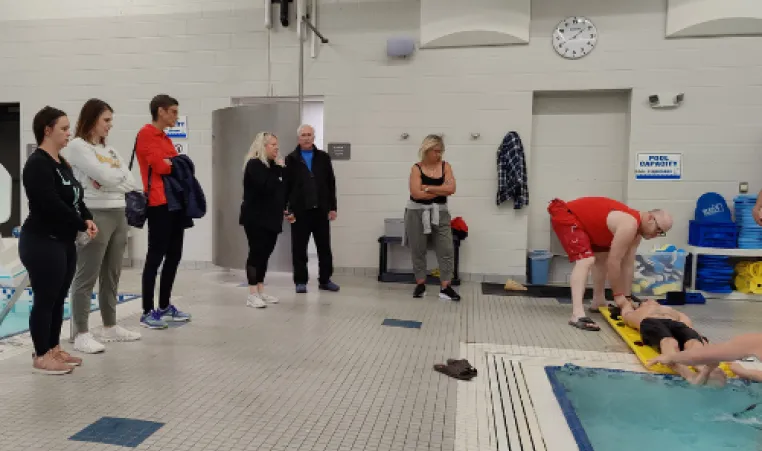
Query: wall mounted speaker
<point x="400" y="47"/>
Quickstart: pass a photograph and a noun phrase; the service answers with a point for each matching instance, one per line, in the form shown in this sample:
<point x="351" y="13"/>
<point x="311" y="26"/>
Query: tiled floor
<point x="317" y="372"/>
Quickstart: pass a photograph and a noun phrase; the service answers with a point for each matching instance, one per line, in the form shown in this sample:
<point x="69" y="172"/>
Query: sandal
<point x="585" y="323"/>
<point x="464" y="363"/>
<point x="456" y="371"/>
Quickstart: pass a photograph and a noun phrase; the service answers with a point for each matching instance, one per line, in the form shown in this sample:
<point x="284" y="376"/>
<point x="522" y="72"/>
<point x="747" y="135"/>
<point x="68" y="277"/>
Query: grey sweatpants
<point x="418" y="241"/>
<point x="100" y="260"/>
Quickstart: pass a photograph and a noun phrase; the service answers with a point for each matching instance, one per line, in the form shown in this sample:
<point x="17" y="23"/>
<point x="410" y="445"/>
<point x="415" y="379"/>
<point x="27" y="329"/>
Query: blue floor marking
<point x="125" y="432"/>
<point x="402" y="323"/>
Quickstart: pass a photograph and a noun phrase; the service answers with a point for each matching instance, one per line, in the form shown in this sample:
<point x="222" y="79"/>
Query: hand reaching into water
<point x="663" y="359"/>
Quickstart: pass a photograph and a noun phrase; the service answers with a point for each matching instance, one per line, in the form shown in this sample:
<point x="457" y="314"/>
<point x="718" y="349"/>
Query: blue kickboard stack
<point x="749" y="232"/>
<point x="713" y="224"/>
<point x="714" y="274"/>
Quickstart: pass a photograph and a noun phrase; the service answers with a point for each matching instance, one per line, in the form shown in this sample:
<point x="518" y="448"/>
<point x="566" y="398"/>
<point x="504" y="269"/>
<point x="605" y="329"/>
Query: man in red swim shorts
<point x="602" y="235"/>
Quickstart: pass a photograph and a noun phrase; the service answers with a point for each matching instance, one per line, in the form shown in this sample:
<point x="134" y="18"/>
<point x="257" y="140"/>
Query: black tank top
<point x="428" y="181"/>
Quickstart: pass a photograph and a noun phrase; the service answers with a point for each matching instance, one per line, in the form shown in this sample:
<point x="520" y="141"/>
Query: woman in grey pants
<point x="105" y="179"/>
<point x="431" y="182"/>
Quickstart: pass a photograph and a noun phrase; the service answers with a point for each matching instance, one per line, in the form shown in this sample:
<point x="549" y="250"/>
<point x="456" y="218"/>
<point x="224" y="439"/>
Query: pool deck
<point x="321" y="372"/>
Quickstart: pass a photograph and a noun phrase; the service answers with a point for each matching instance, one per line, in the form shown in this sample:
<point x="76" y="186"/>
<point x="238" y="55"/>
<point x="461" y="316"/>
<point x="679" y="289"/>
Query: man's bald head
<point x="656" y="223"/>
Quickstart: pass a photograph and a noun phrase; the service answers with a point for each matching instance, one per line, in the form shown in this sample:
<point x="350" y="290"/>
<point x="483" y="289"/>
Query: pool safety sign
<point x="659" y="166"/>
<point x="181" y="147"/>
<point x="180" y="130"/>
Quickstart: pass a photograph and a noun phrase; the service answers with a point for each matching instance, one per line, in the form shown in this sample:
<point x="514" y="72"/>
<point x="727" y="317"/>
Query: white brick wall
<point x="210" y="51"/>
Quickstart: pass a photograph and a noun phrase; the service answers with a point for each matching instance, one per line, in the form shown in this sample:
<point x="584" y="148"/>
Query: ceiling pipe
<point x="283" y="12"/>
<point x="300" y="12"/>
<point x="304" y="21"/>
<point x="313" y="37"/>
<point x="268" y="14"/>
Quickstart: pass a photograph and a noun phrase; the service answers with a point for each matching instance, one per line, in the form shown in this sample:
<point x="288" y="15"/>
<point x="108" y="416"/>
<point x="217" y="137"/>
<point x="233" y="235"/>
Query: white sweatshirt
<point x="104" y="166"/>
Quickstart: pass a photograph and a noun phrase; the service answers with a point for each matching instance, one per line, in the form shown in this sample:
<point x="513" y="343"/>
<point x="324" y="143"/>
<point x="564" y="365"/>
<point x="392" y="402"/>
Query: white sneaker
<point x="255" y="301"/>
<point x="118" y="334"/>
<point x="268" y="299"/>
<point x="87" y="344"/>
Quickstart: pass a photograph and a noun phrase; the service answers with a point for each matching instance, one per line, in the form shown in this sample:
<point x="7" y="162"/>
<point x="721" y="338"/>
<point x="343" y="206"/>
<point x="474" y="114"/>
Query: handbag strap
<point x="132" y="160"/>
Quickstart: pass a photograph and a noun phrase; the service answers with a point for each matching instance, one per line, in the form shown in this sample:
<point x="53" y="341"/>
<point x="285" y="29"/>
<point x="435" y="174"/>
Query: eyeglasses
<point x="659" y="230"/>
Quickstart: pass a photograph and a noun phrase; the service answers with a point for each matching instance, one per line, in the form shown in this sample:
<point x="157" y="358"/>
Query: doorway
<point x="580" y="147"/>
<point x="10" y="158"/>
<point x="313" y="112"/>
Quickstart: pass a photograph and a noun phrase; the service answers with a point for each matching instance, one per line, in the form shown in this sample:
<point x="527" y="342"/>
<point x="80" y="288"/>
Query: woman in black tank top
<point x="426" y="215"/>
<point x="427" y="181"/>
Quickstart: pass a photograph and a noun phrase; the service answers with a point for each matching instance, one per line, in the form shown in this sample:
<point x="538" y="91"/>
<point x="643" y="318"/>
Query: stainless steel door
<point x="233" y="130"/>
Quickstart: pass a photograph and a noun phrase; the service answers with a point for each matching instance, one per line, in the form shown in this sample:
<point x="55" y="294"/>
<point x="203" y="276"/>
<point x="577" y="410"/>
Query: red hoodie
<point x="153" y="147"/>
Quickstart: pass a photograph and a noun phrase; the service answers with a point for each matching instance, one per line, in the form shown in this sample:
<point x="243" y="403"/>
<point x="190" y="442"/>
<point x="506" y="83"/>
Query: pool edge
<point x="127" y="297"/>
<point x="572" y="420"/>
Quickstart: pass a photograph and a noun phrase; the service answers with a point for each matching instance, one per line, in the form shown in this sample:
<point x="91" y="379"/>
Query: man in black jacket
<point x="311" y="194"/>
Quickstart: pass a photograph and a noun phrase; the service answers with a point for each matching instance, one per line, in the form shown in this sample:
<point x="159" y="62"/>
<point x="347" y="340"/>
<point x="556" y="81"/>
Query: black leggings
<point x="166" y="230"/>
<point x="261" y="246"/>
<point x="51" y="265"/>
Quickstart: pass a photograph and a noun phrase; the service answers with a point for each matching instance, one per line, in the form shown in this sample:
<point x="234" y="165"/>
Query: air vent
<point x="513" y="417"/>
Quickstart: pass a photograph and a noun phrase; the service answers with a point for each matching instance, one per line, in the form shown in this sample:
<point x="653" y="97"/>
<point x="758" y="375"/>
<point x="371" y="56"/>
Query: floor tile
<point x="315" y="372"/>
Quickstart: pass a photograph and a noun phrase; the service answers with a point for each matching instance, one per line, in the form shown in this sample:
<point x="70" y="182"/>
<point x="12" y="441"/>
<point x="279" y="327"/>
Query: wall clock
<point x="574" y="37"/>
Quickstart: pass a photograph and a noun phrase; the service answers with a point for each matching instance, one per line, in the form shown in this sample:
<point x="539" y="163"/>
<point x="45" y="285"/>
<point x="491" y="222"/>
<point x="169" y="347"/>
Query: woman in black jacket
<point x="57" y="215"/>
<point x="262" y="212"/>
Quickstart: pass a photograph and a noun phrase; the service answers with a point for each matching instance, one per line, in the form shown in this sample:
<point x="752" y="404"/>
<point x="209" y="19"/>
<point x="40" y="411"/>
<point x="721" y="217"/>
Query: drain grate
<point x="513" y="418"/>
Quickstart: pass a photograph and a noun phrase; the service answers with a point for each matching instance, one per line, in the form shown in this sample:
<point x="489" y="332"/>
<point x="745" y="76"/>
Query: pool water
<point x="623" y="411"/>
<point x="17" y="321"/>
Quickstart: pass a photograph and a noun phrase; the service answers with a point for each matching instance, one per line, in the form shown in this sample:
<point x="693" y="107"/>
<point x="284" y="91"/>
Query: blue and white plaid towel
<point x="512" y="172"/>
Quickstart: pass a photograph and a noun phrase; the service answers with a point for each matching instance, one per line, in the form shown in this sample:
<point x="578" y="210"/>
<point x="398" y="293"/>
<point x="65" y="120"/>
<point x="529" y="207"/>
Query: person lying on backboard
<point x="740" y="347"/>
<point x="670" y="331"/>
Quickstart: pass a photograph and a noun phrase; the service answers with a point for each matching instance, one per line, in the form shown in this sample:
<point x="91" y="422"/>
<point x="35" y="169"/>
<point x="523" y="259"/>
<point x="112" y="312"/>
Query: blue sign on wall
<point x="659" y="166"/>
<point x="180" y="130"/>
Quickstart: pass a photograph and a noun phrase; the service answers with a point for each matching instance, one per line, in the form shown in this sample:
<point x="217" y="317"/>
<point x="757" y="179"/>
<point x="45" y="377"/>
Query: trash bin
<point x="539" y="270"/>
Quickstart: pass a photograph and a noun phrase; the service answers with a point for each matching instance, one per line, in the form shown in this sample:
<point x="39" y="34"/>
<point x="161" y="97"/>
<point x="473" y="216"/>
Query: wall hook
<point x="475" y="135"/>
<point x="404" y="136"/>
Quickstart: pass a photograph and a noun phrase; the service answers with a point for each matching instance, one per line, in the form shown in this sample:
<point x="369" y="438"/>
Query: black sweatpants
<point x="51" y="265"/>
<point x="166" y="231"/>
<point x="311" y="222"/>
<point x="261" y="245"/>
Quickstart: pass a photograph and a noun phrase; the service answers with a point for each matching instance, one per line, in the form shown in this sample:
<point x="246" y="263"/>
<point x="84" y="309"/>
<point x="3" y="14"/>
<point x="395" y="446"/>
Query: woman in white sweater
<point x="105" y="178"/>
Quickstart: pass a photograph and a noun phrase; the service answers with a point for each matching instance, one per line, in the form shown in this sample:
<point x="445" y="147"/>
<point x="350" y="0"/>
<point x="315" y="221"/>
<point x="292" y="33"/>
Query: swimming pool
<point x="17" y="321"/>
<point x="622" y="410"/>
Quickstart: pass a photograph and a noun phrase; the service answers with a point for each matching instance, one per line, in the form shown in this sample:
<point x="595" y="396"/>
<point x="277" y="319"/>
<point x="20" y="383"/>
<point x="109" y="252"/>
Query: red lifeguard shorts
<point x="571" y="234"/>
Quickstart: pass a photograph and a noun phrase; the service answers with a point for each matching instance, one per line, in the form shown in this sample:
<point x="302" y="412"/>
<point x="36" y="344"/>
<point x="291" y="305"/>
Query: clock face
<point x="575" y="37"/>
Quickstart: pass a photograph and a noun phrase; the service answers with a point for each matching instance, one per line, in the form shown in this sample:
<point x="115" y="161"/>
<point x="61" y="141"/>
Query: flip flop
<point x="455" y="371"/>
<point x="595" y="309"/>
<point x="464" y="363"/>
<point x="585" y="323"/>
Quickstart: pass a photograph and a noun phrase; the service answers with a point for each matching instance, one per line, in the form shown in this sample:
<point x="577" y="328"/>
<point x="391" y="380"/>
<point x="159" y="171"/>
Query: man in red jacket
<point x="602" y="235"/>
<point x="166" y="229"/>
